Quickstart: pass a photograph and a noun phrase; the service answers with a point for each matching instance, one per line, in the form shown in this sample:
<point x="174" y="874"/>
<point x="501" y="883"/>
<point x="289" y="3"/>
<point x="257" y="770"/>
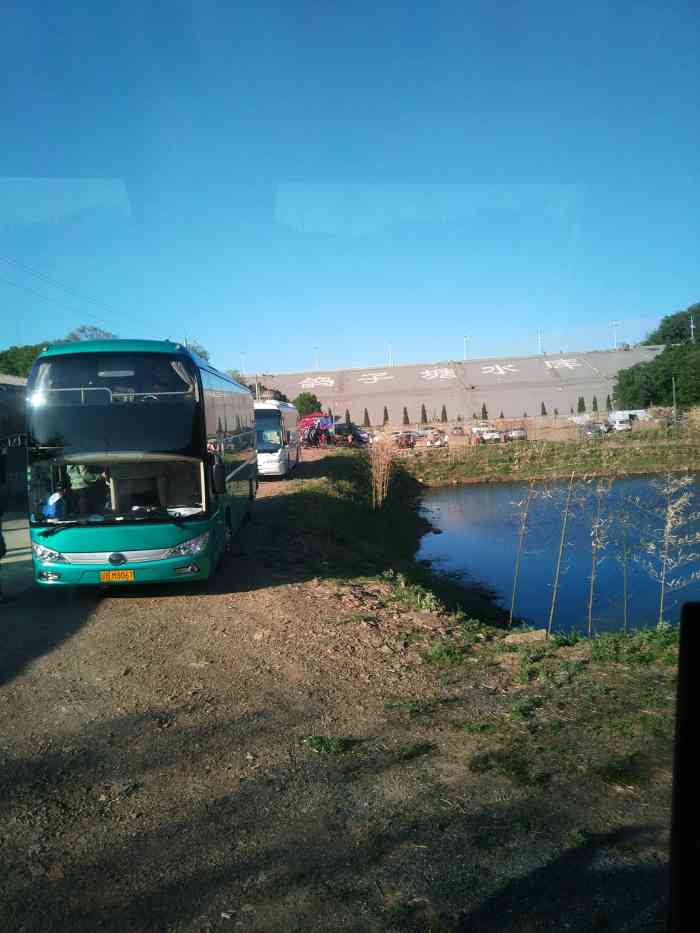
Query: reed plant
<point x="381" y="460"/>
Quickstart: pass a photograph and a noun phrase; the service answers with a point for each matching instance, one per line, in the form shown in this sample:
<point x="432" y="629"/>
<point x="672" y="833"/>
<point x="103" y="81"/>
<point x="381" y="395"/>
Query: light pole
<point x="465" y="347"/>
<point x="318" y="365"/>
<point x="615" y="325"/>
<point x="539" y="340"/>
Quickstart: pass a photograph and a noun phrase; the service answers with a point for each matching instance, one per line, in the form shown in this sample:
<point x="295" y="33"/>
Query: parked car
<point x="406" y="440"/>
<point x="342" y="431"/>
<point x="517" y="434"/>
<point x="621" y="426"/>
<point x="594" y="430"/>
<point x="438" y="439"/>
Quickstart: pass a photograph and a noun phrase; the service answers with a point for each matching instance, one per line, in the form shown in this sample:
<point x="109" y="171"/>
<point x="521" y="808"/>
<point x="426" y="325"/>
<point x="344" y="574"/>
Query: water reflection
<point x="480" y="537"/>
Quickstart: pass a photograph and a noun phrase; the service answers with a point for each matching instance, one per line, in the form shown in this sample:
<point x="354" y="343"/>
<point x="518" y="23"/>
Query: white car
<point x="621" y="426"/>
<point x="491" y="435"/>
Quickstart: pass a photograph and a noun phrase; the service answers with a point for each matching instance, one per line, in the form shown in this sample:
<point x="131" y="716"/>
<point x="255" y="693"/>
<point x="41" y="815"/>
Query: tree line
<point x="651" y="383"/>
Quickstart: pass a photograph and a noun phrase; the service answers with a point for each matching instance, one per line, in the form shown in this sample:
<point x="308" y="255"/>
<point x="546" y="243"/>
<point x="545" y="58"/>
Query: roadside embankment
<point x="491" y="463"/>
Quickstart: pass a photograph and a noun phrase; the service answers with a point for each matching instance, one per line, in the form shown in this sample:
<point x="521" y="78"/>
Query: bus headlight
<point x="190" y="548"/>
<point x="47" y="554"/>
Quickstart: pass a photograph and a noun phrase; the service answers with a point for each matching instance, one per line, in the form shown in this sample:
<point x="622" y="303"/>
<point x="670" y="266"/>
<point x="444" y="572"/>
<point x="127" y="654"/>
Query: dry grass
<point x="381" y="461"/>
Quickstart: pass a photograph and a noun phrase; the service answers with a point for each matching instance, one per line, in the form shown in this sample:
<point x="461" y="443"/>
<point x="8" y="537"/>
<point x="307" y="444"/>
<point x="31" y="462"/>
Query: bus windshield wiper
<point x="54" y="529"/>
<point x="164" y="513"/>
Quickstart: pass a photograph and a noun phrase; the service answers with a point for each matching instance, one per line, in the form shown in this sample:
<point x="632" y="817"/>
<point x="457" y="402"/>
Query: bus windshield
<point x="111" y="379"/>
<point x="71" y="491"/>
<point x="106" y="402"/>
<point x="268" y="428"/>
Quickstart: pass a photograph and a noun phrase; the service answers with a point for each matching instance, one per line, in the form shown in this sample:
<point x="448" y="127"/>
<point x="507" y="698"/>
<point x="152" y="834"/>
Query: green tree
<point x="556" y="412"/>
<point x="674" y="328"/>
<point x="594" y="405"/>
<point x="406" y="419"/>
<point x="443" y="414"/>
<point x="475" y="416"/>
<point x="543" y="409"/>
<point x="366" y="422"/>
<point x="348" y="420"/>
<point x="501" y="416"/>
<point x="17" y="360"/>
<point x="195" y="347"/>
<point x="581" y="405"/>
<point x="484" y="411"/>
<point x="572" y="409"/>
<point x="90" y="332"/>
<point x="524" y="414"/>
<point x="306" y="403"/>
<point x="652" y="383"/>
<point x="385" y="419"/>
<point x="423" y="415"/>
<point x="608" y="404"/>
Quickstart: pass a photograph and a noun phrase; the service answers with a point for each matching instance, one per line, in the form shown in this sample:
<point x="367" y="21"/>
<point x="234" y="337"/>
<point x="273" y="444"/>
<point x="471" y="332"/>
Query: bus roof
<point x="118" y="346"/>
<point x="134" y="346"/>
<point x="272" y="404"/>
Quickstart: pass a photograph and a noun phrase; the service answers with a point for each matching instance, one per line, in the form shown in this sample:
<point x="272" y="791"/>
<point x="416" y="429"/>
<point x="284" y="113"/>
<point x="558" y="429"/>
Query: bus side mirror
<point x="219" y="478"/>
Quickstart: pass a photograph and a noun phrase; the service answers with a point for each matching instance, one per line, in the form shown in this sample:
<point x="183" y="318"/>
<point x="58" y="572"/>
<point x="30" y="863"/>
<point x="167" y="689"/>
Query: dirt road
<point x="272" y="753"/>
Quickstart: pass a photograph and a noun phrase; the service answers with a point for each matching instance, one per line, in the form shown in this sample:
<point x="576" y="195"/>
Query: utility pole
<point x="692" y="328"/>
<point x="318" y="365"/>
<point x="673" y="384"/>
<point x="615" y="325"/>
<point x="465" y="348"/>
<point x="391" y="359"/>
<point x="539" y="340"/>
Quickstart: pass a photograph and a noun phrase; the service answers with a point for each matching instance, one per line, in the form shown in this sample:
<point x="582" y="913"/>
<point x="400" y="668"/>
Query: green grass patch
<point x="525" y="709"/>
<point x="476" y="726"/>
<point x="411" y="595"/>
<point x="616" y="768"/>
<point x="576" y="838"/>
<point x="328" y="744"/>
<point x="413" y="708"/>
<point x="645" y="647"/>
<point x="415" y="750"/>
<point x="512" y="762"/>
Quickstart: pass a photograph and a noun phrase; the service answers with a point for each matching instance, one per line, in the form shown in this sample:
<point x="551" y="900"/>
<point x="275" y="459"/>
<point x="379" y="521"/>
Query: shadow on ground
<point x="311" y="843"/>
<point x="35" y="623"/>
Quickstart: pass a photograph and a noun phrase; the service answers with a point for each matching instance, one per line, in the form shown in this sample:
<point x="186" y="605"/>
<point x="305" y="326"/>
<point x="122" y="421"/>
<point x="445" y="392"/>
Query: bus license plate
<point x="116" y="576"/>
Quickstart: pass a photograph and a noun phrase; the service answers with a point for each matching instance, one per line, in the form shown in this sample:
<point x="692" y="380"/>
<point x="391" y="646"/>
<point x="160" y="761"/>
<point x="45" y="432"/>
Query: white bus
<point x="278" y="442"/>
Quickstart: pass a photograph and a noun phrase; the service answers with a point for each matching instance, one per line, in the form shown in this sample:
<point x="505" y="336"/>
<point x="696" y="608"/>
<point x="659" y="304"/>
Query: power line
<point x="56" y="283"/>
<point x="33" y="291"/>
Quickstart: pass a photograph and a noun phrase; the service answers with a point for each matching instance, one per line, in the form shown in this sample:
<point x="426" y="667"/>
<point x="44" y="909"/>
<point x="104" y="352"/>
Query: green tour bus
<point x="141" y="463"/>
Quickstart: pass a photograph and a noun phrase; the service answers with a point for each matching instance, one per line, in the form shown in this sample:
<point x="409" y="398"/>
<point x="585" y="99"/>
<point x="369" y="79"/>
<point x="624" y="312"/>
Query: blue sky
<point x="271" y="178"/>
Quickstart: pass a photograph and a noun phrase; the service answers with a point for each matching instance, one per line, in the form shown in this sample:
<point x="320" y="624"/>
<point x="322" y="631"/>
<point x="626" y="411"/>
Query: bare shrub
<point x="381" y="461"/>
<point x="674" y="546"/>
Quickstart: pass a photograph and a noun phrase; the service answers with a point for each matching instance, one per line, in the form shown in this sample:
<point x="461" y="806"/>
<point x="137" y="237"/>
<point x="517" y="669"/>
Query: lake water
<point x="479" y="543"/>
